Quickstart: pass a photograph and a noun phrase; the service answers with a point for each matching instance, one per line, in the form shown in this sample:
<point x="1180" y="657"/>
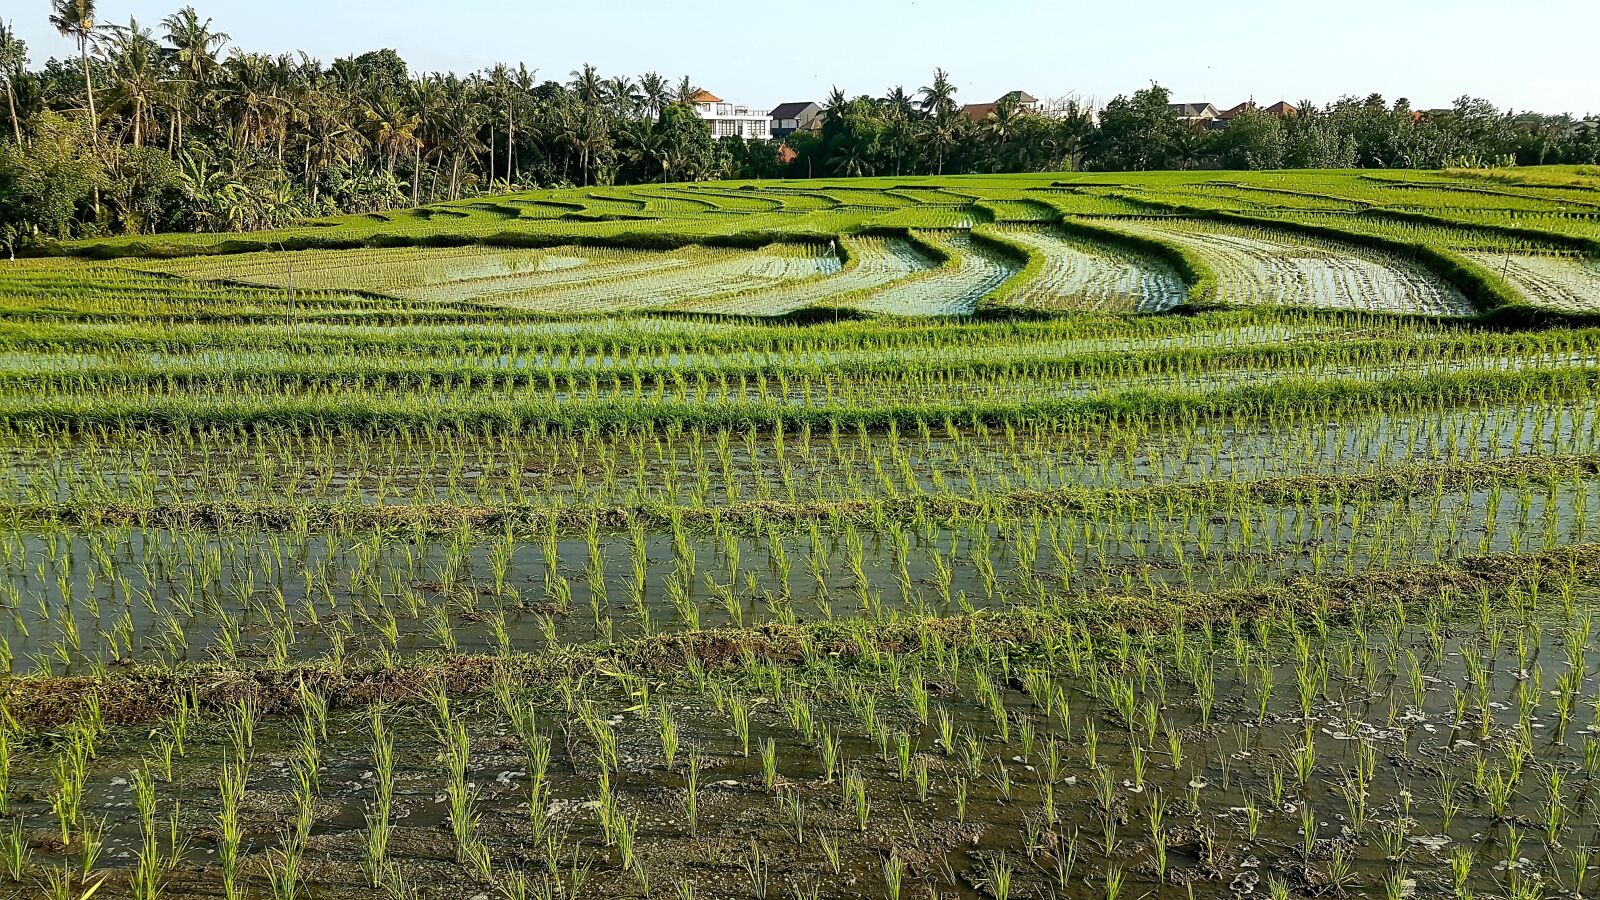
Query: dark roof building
<point x="787" y="118"/>
<point x="1194" y="112"/>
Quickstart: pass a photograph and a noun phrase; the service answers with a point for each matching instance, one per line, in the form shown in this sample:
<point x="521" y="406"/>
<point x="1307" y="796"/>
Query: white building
<point x="730" y="119"/>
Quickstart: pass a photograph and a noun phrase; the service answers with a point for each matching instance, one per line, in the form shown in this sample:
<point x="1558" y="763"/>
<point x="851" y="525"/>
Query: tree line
<point x="171" y="127"/>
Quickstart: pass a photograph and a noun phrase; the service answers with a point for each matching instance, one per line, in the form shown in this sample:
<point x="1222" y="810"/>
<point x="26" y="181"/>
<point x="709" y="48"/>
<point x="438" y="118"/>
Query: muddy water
<point x="467" y="469"/>
<point x="176" y="595"/>
<point x="1235" y="805"/>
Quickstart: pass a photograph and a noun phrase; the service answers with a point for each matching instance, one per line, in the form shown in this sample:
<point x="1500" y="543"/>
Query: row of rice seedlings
<point x="40" y="366"/>
<point x="192" y="591"/>
<point x="447" y="369"/>
<point x="1285" y="398"/>
<point x="702" y="468"/>
<point x="1083" y="275"/>
<point x="1261" y="266"/>
<point x="874" y="263"/>
<point x="389" y="271"/>
<point x="421" y="389"/>
<point x="645" y="339"/>
<point x="1571" y="284"/>
<point x="1103" y="736"/>
<point x="1442" y="232"/>
<point x="710" y="273"/>
<point x="971" y="270"/>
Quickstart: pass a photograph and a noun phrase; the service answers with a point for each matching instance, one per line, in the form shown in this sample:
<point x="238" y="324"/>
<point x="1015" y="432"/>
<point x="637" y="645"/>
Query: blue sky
<point x="1537" y="54"/>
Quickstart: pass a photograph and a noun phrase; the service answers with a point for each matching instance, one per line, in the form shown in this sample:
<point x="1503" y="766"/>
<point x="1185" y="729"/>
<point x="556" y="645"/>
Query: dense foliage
<point x="170" y="128"/>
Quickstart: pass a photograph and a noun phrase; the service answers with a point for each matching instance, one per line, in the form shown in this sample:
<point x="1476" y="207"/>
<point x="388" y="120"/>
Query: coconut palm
<point x="686" y="90"/>
<point x="248" y="97"/>
<point x="75" y="19"/>
<point x="194" y="50"/>
<point x="391" y="126"/>
<point x="138" y="83"/>
<point x="521" y="86"/>
<point x="588" y="85"/>
<point x="329" y="138"/>
<point x="899" y="104"/>
<point x="833" y="105"/>
<point x="624" y="95"/>
<point x="13" y="55"/>
<point x="656" y="92"/>
<point x="939" y="98"/>
<point x="426" y="96"/>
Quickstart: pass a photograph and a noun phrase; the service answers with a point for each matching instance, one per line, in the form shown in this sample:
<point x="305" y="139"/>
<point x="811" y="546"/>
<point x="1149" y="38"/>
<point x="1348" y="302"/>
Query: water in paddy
<point x="1454" y="750"/>
<point x="94" y="597"/>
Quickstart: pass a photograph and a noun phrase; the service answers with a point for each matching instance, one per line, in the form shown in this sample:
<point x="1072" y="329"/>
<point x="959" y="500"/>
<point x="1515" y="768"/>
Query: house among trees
<point x="729" y="119"/>
<point x="1194" y="113"/>
<point x="979" y="112"/>
<point x="787" y="118"/>
<point x="1206" y="116"/>
<point x="1279" y="110"/>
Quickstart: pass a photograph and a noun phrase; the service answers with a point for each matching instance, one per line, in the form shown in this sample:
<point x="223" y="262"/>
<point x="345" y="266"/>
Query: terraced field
<point x="970" y="272"/>
<point x="1083" y="274"/>
<point x="1257" y="265"/>
<point x="1420" y="243"/>
<point x="1202" y="534"/>
<point x="1560" y="282"/>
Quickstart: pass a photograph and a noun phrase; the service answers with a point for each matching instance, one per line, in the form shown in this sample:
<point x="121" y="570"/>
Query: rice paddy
<point x="896" y="538"/>
<point x="1254" y="265"/>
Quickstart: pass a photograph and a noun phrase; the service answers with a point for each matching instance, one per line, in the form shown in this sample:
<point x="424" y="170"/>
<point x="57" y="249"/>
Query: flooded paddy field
<point x="415" y="591"/>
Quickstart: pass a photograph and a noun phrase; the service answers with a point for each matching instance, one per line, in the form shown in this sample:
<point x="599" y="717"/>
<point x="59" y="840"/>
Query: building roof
<point x="1193" y="110"/>
<point x="704" y="96"/>
<point x="791" y="110"/>
<point x="1283" y="109"/>
<point x="978" y="112"/>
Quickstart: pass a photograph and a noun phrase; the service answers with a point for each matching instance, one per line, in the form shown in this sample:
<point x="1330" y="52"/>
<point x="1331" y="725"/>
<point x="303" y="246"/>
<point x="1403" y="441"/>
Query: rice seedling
<point x="461" y="569"/>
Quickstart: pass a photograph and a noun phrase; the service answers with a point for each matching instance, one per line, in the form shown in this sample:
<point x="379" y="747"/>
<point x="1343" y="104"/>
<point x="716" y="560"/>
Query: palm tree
<point x="13" y="55"/>
<point x="136" y="63"/>
<point x="1001" y="127"/>
<point x="938" y="102"/>
<point x="329" y="139"/>
<point x="591" y="137"/>
<point x="194" y="49"/>
<point x="899" y="103"/>
<point x="656" y="92"/>
<point x="391" y="126"/>
<point x="623" y="94"/>
<point x="833" y="105"/>
<point x="901" y="109"/>
<point x="460" y="119"/>
<point x="686" y="90"/>
<point x="248" y="96"/>
<point x="588" y="85"/>
<point x="521" y="86"/>
<point x="75" y="19"/>
<point x="939" y="98"/>
<point x="427" y="101"/>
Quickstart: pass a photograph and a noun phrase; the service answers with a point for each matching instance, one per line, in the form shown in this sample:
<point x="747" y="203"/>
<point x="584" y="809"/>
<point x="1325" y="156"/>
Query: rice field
<point x="804" y="540"/>
<point x="1412" y="243"/>
<point x="1081" y="274"/>
<point x="1563" y="282"/>
<point x="1255" y="265"/>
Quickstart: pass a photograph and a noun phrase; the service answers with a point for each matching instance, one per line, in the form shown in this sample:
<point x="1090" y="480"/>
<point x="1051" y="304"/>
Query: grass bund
<point x="1199" y="534"/>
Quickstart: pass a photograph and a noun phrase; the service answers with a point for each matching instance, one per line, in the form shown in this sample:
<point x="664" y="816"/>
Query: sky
<point x="1536" y="54"/>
